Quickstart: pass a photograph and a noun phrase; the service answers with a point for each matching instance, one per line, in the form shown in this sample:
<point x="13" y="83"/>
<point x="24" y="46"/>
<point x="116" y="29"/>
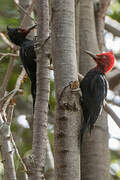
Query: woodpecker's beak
<point x="94" y="56"/>
<point x="31" y="28"/>
<point x="91" y="54"/>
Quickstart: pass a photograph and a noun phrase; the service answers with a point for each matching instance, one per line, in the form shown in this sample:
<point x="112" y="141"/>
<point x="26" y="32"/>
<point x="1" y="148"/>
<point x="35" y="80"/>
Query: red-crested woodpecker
<point x="94" y="89"/>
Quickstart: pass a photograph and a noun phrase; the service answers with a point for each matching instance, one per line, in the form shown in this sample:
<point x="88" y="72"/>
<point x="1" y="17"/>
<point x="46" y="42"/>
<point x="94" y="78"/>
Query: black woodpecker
<point x="27" y="53"/>
<point x="94" y="89"/>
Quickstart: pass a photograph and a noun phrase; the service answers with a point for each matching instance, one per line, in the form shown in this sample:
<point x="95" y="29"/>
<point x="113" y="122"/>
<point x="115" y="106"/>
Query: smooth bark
<point x="39" y="144"/>
<point x="66" y="145"/>
<point x="94" y="150"/>
<point x="100" y="12"/>
<point x="7" y="150"/>
<point x="112" y="26"/>
<point x="49" y="168"/>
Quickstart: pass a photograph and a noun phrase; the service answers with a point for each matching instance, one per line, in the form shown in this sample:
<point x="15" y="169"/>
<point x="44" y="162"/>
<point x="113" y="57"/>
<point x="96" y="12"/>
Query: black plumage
<point x="27" y="53"/>
<point x="94" y="90"/>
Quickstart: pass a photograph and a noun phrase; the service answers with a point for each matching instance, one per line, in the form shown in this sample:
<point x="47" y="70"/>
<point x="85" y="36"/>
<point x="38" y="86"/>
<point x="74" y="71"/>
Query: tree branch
<point x="29" y="11"/>
<point x="39" y="143"/>
<point x="23" y="10"/>
<point x="11" y="45"/>
<point x="113" y="115"/>
<point x="8" y="54"/>
<point x="18" y="155"/>
<point x="7" y="77"/>
<point x="13" y="93"/>
<point x="114" y="78"/>
<point x="100" y="12"/>
<point x="6" y="150"/>
<point x="112" y="26"/>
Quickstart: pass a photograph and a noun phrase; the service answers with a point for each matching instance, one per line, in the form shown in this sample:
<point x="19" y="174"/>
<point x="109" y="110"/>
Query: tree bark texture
<point x="77" y="11"/>
<point x="49" y="168"/>
<point x="7" y="150"/>
<point x="67" y="123"/>
<point x="94" y="150"/>
<point x="87" y="35"/>
<point x="41" y="105"/>
<point x="112" y="26"/>
<point x="26" y="21"/>
<point x="100" y="12"/>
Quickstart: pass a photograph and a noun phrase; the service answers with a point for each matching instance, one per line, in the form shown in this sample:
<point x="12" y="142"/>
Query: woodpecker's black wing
<point x="27" y="55"/>
<point x="98" y="89"/>
<point x="94" y="90"/>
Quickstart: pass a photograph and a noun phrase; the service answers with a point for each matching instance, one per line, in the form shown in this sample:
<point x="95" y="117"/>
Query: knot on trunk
<point x="70" y="97"/>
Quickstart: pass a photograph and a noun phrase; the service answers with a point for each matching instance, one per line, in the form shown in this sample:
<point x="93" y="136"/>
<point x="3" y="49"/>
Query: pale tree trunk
<point x="100" y="12"/>
<point x="39" y="145"/>
<point x="77" y="14"/>
<point x="87" y="35"/>
<point x="26" y="21"/>
<point x="66" y="145"/>
<point x="49" y="168"/>
<point x="7" y="150"/>
<point x="94" y="150"/>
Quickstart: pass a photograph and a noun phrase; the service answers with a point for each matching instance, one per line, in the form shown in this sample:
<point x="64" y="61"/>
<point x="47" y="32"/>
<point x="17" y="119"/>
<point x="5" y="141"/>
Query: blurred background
<point x="10" y="15"/>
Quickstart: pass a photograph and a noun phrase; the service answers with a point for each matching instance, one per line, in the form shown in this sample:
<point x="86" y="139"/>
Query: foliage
<point x="114" y="10"/>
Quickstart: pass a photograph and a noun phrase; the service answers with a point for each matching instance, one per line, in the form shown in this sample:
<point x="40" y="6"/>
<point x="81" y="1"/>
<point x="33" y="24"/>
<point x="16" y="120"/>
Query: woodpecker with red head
<point x="94" y="89"/>
<point x="27" y="53"/>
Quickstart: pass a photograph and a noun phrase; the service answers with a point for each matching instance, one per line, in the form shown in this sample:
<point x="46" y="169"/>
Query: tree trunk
<point x="67" y="121"/>
<point x="77" y="14"/>
<point x="42" y="96"/>
<point x="94" y="150"/>
<point x="7" y="150"/>
<point x="26" y="21"/>
<point x="100" y="12"/>
<point x="49" y="168"/>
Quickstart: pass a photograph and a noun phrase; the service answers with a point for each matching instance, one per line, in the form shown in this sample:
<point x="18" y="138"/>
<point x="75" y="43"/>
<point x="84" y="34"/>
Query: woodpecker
<point x="27" y="53"/>
<point x="94" y="89"/>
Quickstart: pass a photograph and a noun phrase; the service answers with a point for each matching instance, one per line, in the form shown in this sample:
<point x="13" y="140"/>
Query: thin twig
<point x="29" y="11"/>
<point x="7" y="77"/>
<point x="6" y="100"/>
<point x="16" y="90"/>
<point x="114" y="116"/>
<point x="2" y="100"/>
<point x="4" y="38"/>
<point x="20" y="78"/>
<point x="18" y="155"/>
<point x="3" y="55"/>
<point x="25" y="12"/>
<point x="8" y="54"/>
